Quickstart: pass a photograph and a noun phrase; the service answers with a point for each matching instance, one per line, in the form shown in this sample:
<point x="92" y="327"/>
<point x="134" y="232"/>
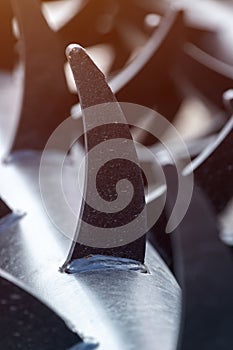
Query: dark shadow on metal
<point x="213" y="170"/>
<point x="28" y="324"/>
<point x="209" y="76"/>
<point x="161" y="241"/>
<point x="153" y="85"/>
<point x="215" y="175"/>
<point x="204" y="268"/>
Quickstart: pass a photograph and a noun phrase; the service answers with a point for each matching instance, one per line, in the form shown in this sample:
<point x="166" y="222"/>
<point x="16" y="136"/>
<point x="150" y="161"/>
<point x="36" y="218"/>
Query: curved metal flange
<point x="208" y="75"/>
<point x="120" y="309"/>
<point x="152" y="84"/>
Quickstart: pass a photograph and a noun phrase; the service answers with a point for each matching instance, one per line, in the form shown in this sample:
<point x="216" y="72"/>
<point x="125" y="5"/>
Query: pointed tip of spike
<point x="228" y="100"/>
<point x="73" y="48"/>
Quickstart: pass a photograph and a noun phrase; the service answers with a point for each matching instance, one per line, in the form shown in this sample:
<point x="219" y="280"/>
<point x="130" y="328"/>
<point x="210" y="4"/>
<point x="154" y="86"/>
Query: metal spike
<point x="46" y="99"/>
<point x="4" y="209"/>
<point x="93" y="91"/>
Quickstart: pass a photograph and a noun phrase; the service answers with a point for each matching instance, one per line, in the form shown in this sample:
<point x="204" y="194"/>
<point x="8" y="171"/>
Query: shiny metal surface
<point x="122" y="310"/>
<point x="10" y="219"/>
